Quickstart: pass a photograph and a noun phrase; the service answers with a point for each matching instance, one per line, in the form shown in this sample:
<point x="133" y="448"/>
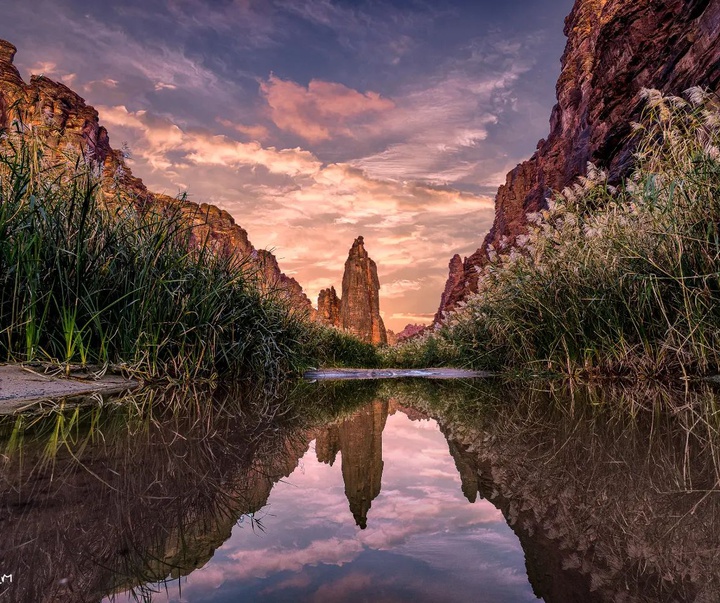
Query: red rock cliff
<point x="67" y="125"/>
<point x="614" y="49"/>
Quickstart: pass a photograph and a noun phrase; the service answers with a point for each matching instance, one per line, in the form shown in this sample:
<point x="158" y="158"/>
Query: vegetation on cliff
<point x="621" y="281"/>
<point x="93" y="282"/>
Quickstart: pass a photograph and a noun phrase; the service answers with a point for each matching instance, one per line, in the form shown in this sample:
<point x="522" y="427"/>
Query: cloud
<point x="321" y="111"/>
<point x="254" y="132"/>
<point x="400" y="287"/>
<point x="165" y="145"/>
<point x="439" y="131"/>
<point x="163" y="86"/>
<point x="412" y="318"/>
<point x="223" y="151"/>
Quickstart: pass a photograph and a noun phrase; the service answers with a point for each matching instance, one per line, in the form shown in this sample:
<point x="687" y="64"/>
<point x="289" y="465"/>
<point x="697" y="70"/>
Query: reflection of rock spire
<point x="359" y="441"/>
<point x="327" y="445"/>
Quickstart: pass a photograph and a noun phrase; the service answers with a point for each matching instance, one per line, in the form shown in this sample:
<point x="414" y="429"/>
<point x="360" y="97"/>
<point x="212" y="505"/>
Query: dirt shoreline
<point x="21" y="386"/>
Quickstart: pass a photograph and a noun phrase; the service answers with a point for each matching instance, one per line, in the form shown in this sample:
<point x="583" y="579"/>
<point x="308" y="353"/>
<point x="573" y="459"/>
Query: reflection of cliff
<point x="139" y="505"/>
<point x="466" y="464"/>
<point x="605" y="509"/>
<point x="359" y="441"/>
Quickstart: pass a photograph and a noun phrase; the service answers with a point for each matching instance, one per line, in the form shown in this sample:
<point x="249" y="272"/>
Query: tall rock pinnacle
<point x="360" y="302"/>
<point x="358" y="311"/>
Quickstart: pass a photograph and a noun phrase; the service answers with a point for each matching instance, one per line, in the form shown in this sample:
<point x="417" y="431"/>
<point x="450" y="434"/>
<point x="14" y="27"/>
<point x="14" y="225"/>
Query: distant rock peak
<point x="7" y="52"/>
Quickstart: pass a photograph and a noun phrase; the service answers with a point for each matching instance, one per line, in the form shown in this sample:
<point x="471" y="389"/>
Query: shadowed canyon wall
<point x="358" y="311"/>
<point x="614" y="49"/>
<point x="69" y="128"/>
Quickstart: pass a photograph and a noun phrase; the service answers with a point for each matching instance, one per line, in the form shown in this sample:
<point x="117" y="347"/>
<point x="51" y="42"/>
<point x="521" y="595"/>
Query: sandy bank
<point x="20" y="386"/>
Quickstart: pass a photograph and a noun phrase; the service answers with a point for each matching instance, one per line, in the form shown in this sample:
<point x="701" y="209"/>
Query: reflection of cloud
<point x="261" y="563"/>
<point x="320" y="111"/>
<point x="343" y="588"/>
<point x="294" y="581"/>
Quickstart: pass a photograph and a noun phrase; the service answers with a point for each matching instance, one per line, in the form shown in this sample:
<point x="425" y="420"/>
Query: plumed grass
<point x="611" y="281"/>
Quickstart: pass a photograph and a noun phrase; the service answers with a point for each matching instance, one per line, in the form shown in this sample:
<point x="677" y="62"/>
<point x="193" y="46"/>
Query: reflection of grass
<point x="608" y="281"/>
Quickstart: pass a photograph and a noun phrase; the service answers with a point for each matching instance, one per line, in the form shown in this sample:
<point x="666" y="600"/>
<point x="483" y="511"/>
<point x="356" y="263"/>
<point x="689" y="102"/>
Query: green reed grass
<point x="618" y="281"/>
<point x="87" y="280"/>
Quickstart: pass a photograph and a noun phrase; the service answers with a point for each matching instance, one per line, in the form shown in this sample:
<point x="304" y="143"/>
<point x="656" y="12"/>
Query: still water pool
<point x="374" y="511"/>
<point x="404" y="491"/>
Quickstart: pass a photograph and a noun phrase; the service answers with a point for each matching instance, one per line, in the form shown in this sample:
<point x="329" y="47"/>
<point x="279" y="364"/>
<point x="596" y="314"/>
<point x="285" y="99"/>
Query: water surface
<point x="400" y="491"/>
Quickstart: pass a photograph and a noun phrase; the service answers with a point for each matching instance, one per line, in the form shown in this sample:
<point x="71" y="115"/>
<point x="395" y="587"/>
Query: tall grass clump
<point x="620" y="281"/>
<point x="91" y="280"/>
<point x="329" y="346"/>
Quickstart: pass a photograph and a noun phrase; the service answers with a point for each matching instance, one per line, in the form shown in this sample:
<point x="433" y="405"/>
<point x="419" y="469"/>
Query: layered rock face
<point x="68" y="127"/>
<point x="358" y="311"/>
<point x="411" y="331"/>
<point x="614" y="49"/>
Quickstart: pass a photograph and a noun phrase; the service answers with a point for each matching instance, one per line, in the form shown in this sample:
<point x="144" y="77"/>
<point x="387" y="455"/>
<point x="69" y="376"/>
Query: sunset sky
<point x="315" y="121"/>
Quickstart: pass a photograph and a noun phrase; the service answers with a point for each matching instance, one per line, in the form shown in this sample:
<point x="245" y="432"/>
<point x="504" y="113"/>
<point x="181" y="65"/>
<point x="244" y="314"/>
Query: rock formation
<point x="411" y="331"/>
<point x="67" y="126"/>
<point x="328" y="311"/>
<point x="358" y="311"/>
<point x="614" y="49"/>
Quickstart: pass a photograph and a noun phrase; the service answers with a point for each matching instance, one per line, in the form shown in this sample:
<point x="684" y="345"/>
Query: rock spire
<point x="358" y="310"/>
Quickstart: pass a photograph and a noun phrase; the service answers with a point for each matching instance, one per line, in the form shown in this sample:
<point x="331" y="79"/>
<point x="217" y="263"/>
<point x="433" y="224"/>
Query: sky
<point x="315" y="121"/>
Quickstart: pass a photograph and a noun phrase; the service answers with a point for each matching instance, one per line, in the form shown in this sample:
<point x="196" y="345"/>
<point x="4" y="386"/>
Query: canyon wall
<point x="614" y="49"/>
<point x="68" y="127"/>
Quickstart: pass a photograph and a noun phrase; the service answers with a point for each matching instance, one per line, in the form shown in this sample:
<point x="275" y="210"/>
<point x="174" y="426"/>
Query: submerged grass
<point x="85" y="281"/>
<point x="608" y="281"/>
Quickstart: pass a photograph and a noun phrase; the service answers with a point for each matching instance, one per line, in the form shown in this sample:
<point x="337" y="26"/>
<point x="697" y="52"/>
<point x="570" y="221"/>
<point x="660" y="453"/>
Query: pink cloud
<point x="254" y="132"/>
<point x="323" y="109"/>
